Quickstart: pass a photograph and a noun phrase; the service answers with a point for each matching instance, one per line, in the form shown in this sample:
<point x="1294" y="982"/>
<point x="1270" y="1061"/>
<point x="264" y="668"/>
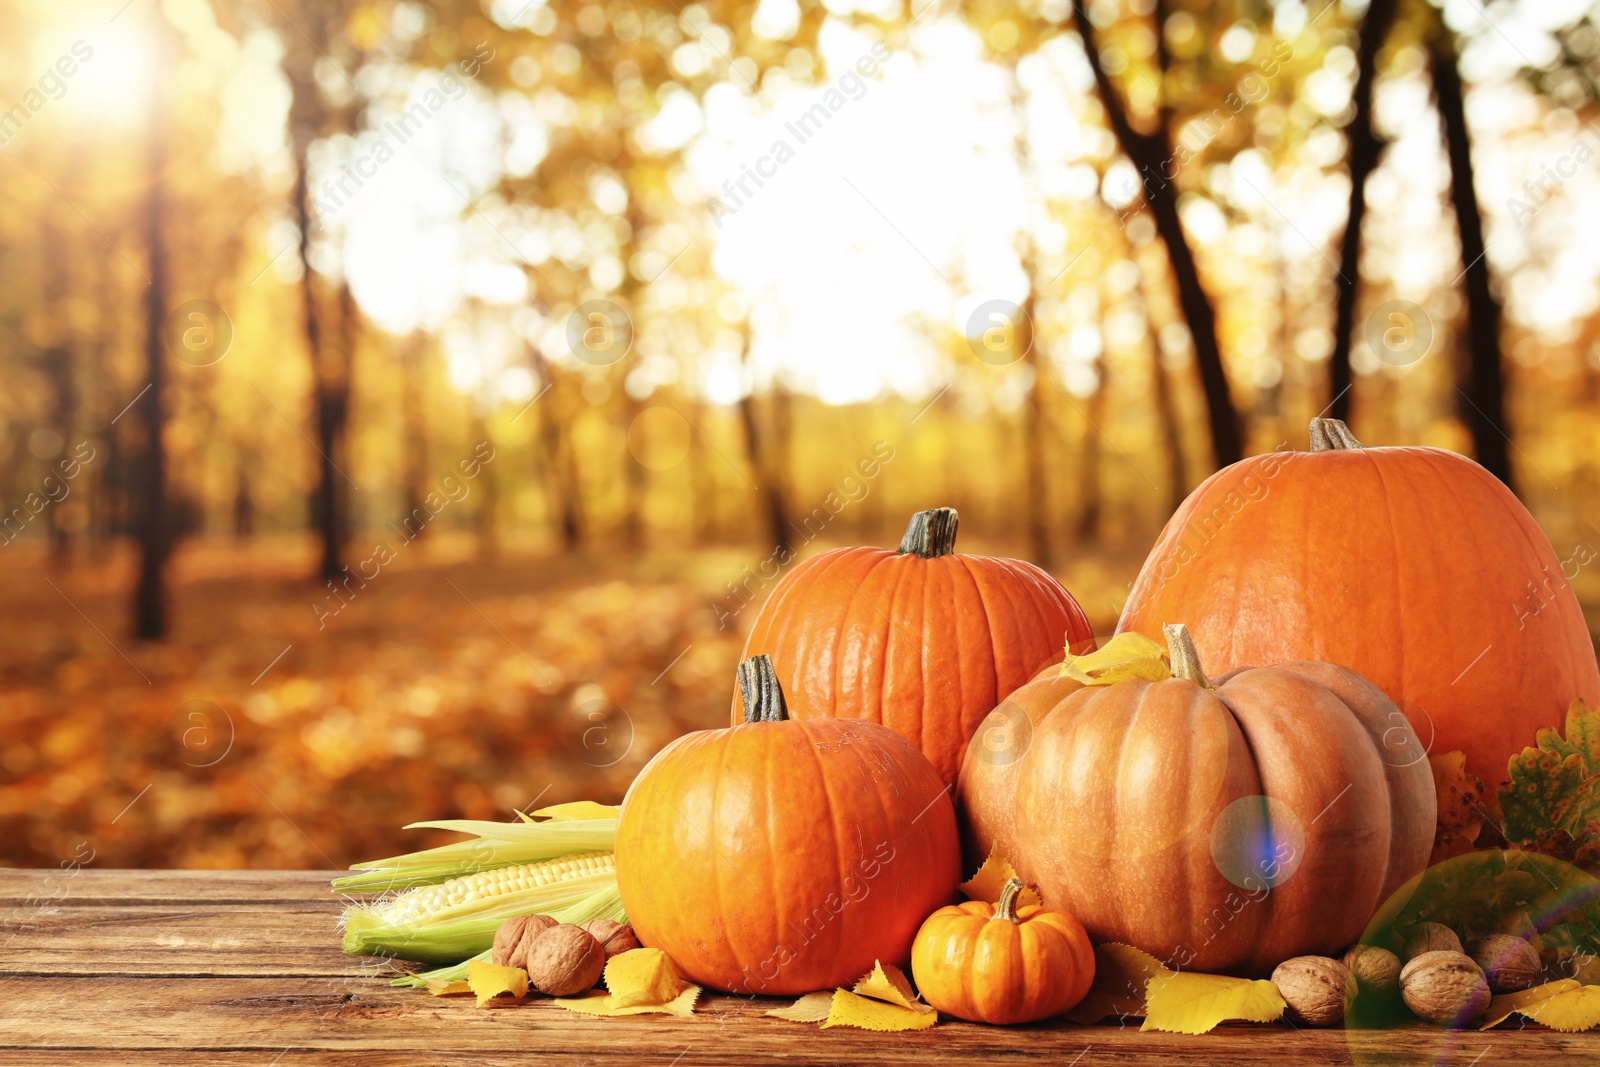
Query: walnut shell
<point x="1509" y="963"/>
<point x="515" y="936"/>
<point x="1429" y="937"/>
<point x="1376" y="970"/>
<point x="613" y="936"/>
<point x="565" y="960"/>
<point x="1317" y="989"/>
<point x="1444" y="987"/>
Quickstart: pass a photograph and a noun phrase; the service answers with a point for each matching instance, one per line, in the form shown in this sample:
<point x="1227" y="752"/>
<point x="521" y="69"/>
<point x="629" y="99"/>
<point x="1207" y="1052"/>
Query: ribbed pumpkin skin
<point x="1404" y="564"/>
<point x="925" y="646"/>
<point x="785" y="857"/>
<point x="970" y="966"/>
<point x="1110" y="809"/>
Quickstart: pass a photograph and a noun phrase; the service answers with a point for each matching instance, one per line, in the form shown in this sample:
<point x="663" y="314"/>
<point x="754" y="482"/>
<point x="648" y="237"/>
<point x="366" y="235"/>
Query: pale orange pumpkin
<point x="1413" y="566"/>
<point x="1000" y="963"/>
<point x="785" y="855"/>
<point x="921" y="638"/>
<point x="1221" y="828"/>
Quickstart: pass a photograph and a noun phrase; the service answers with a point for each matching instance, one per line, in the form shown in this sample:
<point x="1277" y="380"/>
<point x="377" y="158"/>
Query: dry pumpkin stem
<point x="763" y="696"/>
<point x="930" y="534"/>
<point x="1005" y="909"/>
<point x="1331" y="435"/>
<point x="1185" y="657"/>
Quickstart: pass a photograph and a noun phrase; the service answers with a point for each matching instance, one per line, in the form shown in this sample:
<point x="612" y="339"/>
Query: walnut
<point x="1444" y="987"/>
<point x="1510" y="963"/>
<point x="1429" y="937"/>
<point x="515" y="936"/>
<point x="1376" y="970"/>
<point x="1317" y="989"/>
<point x="565" y="960"/>
<point x="613" y="936"/>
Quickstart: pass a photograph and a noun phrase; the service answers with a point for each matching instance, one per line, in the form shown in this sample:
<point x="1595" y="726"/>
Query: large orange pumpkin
<point x="1222" y="828"/>
<point x="1414" y="566"/>
<point x="921" y="639"/>
<point x="785" y="855"/>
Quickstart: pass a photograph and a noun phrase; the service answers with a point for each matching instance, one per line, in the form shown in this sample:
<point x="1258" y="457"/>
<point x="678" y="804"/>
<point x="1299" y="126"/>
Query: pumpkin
<point x="1222" y="828"/>
<point x="785" y="855"/>
<point x="1414" y="566"/>
<point x="1000" y="963"/>
<point x="922" y="639"/>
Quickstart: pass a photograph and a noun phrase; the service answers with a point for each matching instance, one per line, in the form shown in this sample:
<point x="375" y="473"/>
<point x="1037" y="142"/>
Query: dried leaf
<point x="1565" y="1005"/>
<point x="441" y="988"/>
<point x="848" y="1009"/>
<point x="577" y="809"/>
<point x="996" y="871"/>
<point x="1126" y="656"/>
<point x="1524" y="1001"/>
<point x="1460" y="798"/>
<point x="597" y="1003"/>
<point x="1121" y="973"/>
<point x="1551" y="805"/>
<point x="490" y="980"/>
<point x="642" y="976"/>
<point x="811" y="1008"/>
<point x="1184" y="1003"/>
<point x="888" y="983"/>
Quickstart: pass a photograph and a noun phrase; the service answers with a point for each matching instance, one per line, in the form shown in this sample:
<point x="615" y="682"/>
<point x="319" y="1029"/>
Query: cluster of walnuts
<point x="561" y="959"/>
<point x="1437" y="979"/>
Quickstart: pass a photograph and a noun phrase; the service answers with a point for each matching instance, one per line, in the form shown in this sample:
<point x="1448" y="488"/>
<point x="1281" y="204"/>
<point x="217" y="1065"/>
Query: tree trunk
<point x="61" y="369"/>
<point x="1484" y="412"/>
<point x="769" y="485"/>
<point x="1364" y="149"/>
<point x="1151" y="155"/>
<point x="1036" y="490"/>
<point x="414" y="428"/>
<point x="1091" y="510"/>
<point x="559" y="470"/>
<point x="150" y="621"/>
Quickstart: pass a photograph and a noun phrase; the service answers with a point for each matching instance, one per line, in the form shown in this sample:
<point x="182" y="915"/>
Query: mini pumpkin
<point x="1413" y="566"/>
<point x="1000" y="963"/>
<point x="785" y="855"/>
<point x="921" y="638"/>
<point x="1221" y="828"/>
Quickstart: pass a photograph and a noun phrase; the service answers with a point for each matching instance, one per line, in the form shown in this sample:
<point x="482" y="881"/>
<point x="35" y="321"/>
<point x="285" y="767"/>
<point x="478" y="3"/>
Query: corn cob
<point x="458" y="918"/>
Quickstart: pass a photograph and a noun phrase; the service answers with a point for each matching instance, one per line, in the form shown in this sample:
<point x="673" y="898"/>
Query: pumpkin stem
<point x="931" y="533"/>
<point x="1005" y="909"/>
<point x="1331" y="435"/>
<point x="1184" y="656"/>
<point x="763" y="696"/>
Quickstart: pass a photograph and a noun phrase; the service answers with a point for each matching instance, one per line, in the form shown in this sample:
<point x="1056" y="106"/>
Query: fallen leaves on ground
<point x="490" y="980"/>
<point x="882" y="1000"/>
<point x="638" y="981"/>
<point x="1121" y="974"/>
<point x="1565" y="1005"/>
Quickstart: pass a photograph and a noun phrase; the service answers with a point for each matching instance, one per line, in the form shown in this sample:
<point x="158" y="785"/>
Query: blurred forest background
<point x="403" y="401"/>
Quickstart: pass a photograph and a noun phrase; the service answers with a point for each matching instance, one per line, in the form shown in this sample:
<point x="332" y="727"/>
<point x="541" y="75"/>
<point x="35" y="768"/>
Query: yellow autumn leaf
<point x="596" y="1002"/>
<point x="577" y="809"/>
<point x="1184" y="1003"/>
<point x="1121" y="973"/>
<point x="441" y="988"/>
<point x="888" y="983"/>
<point x="642" y="976"/>
<point x="1126" y="656"/>
<point x="1506" y="1005"/>
<point x="1564" y="1005"/>
<point x="490" y="980"/>
<point x="811" y="1008"/>
<point x="848" y="1009"/>
<point x="996" y="871"/>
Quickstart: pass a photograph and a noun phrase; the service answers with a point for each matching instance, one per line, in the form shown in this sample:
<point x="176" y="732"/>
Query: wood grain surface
<point x="244" y="968"/>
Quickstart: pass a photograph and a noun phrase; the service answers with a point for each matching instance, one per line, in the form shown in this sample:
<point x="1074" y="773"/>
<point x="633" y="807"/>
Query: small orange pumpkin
<point x="1001" y="964"/>
<point x="785" y="855"/>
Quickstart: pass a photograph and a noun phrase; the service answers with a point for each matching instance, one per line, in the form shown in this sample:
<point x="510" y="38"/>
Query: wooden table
<point x="192" y="967"/>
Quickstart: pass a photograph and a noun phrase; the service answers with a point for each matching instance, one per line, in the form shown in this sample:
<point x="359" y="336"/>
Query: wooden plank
<point x="190" y="1020"/>
<point x="26" y="888"/>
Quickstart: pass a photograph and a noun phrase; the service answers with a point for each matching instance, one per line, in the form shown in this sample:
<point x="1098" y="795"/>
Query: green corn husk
<point x="494" y="844"/>
<point x="604" y="903"/>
